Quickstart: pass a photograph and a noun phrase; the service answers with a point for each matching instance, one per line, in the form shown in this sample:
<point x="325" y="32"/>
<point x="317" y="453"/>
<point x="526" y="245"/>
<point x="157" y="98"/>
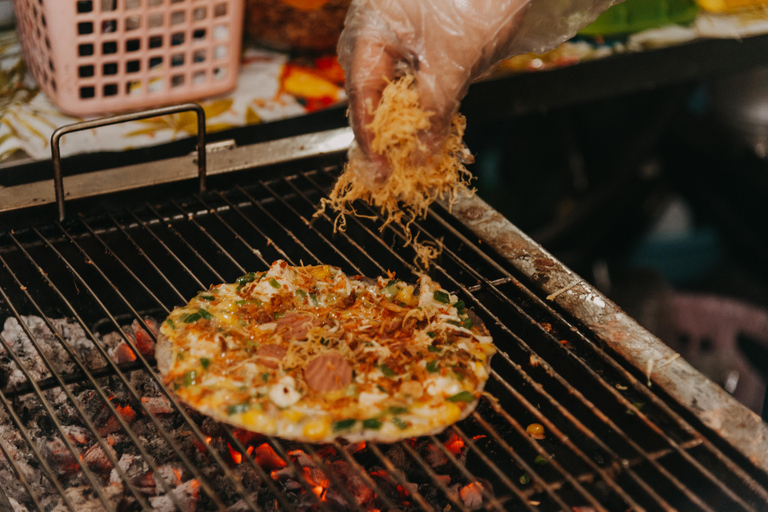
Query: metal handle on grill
<point x="58" y="180"/>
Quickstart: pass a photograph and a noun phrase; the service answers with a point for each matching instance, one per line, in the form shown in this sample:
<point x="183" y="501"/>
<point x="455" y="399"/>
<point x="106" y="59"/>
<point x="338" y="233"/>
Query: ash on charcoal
<point x="22" y="347"/>
<point x="186" y="494"/>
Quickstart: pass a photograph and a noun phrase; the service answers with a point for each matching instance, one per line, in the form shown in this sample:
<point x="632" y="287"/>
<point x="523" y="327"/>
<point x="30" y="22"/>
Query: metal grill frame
<point x="559" y="291"/>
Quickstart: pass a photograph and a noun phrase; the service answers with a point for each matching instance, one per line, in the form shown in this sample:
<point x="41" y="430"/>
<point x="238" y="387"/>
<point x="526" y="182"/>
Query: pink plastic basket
<point x="98" y="56"/>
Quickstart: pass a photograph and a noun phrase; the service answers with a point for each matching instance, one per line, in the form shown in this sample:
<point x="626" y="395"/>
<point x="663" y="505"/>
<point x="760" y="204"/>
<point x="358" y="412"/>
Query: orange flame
<point x="249" y="451"/>
<point x="208" y="440"/>
<point x="127" y="413"/>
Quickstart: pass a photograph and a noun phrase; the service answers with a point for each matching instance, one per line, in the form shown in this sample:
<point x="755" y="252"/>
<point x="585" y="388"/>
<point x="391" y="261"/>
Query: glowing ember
<point x="265" y="456"/>
<point x="472" y="495"/>
<point x="127" y="413"/>
<point x="454" y="444"/>
<point x="237" y="457"/>
<point x="481" y="436"/>
<point x="208" y="440"/>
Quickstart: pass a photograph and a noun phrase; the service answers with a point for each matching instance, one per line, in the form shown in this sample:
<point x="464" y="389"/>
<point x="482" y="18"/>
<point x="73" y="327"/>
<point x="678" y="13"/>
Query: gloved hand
<point x="446" y="45"/>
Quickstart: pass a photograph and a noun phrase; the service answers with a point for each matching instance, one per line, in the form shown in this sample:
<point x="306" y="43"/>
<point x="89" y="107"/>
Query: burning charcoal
<point x="146" y="483"/>
<point x="186" y="494"/>
<point x="144" y="341"/>
<point x="248" y="476"/>
<point x="78" y="435"/>
<point x="434" y="455"/>
<point x="16" y="506"/>
<point x="472" y="495"/>
<point x="242" y="506"/>
<point x="132" y="466"/>
<point x="266" y="457"/>
<point x="171" y="474"/>
<point x="157" y="404"/>
<point x="357" y="486"/>
<point x="396" y="454"/>
<point x="97" y="459"/>
<point x="59" y="457"/>
<point x="302" y="459"/>
<point x="122" y="354"/>
<point x="282" y="475"/>
<point x="84" y="500"/>
<point x="355" y="447"/>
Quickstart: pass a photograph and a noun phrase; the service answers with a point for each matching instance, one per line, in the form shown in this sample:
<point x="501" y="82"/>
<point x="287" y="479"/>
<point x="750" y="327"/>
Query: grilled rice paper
<point x="310" y="354"/>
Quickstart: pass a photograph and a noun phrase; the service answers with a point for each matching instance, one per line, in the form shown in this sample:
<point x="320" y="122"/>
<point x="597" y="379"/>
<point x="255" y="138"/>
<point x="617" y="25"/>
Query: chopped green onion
<point x="387" y="371"/>
<point x="441" y="297"/>
<point x="402" y="425"/>
<point x="431" y="334"/>
<point x="209" y="298"/>
<point x="244" y="280"/>
<point x="265" y="377"/>
<point x="274" y="284"/>
<point x="301" y="294"/>
<point x="456" y="323"/>
<point x="170" y="323"/>
<point x="464" y="396"/>
<point x="525" y="479"/>
<point x="313" y="296"/>
<point x="238" y="409"/>
<point x="324" y="342"/>
<point x="343" y="425"/>
<point x="279" y="314"/>
<point x="459" y="376"/>
<point x="372" y="424"/>
<point x="205" y="362"/>
<point x="204" y="314"/>
<point x="432" y="366"/>
<point x="461" y="308"/>
<point x="391" y="282"/>
<point x="540" y="460"/>
<point x="381" y="388"/>
<point x="468" y="323"/>
<point x="397" y="409"/>
<point x="190" y="378"/>
<point x="191" y="317"/>
<point x="249" y="302"/>
<point x="433" y="348"/>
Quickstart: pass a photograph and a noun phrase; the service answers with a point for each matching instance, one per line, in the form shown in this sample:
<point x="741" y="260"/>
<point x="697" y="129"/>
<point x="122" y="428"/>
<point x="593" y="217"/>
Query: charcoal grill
<point x="87" y="425"/>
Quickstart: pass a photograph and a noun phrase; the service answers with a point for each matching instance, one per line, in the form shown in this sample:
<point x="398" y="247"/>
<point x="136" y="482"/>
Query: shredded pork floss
<point x="418" y="177"/>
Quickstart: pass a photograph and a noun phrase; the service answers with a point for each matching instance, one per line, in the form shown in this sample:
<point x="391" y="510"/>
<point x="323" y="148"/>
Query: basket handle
<point x="58" y="180"/>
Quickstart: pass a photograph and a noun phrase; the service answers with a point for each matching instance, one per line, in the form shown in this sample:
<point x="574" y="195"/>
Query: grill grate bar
<point x="57" y="424"/>
<point x="596" y="410"/>
<point x="532" y="409"/>
<point x="638" y="386"/>
<point x="434" y="477"/>
<point x="331" y="474"/>
<point x="221" y="464"/>
<point x="68" y="378"/>
<point x="272" y="441"/>
<point x="176" y="449"/>
<point x="19" y="474"/>
<point x="250" y="248"/>
<point x="231" y="438"/>
<point x="353" y="242"/>
<point x="309" y="224"/>
<point x="519" y="460"/>
<point x="616" y="488"/>
<point x="45" y="467"/>
<point x="62" y="385"/>
<point x="365" y="476"/>
<point x="549" y="488"/>
<point x="401" y="478"/>
<point x="459" y="466"/>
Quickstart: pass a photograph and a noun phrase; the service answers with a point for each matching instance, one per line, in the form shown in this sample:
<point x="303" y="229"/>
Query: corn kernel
<point x="452" y="412"/>
<point x="293" y="415"/>
<point x="321" y="272"/>
<point x="317" y="429"/>
<point x="406" y="295"/>
<point x="251" y="417"/>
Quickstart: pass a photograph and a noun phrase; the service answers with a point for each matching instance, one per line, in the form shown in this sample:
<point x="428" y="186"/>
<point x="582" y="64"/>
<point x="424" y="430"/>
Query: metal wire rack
<point x="611" y="442"/>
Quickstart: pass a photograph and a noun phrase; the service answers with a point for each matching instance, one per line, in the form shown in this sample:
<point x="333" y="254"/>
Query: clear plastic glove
<point x="446" y="44"/>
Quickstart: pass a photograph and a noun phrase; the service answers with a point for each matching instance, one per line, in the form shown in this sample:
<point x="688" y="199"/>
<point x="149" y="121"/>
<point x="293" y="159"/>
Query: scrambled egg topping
<point x="243" y="353"/>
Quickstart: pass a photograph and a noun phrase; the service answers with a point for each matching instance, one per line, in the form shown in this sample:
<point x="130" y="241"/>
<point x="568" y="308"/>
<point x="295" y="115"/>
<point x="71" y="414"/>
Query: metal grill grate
<point x="611" y="442"/>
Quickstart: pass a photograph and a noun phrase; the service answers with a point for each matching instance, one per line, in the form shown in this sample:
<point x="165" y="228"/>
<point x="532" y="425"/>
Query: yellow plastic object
<point x="723" y="6"/>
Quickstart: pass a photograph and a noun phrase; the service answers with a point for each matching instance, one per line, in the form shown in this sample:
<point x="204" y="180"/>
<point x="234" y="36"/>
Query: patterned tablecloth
<point x="273" y="86"/>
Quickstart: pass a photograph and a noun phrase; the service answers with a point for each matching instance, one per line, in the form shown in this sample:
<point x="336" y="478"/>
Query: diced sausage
<point x="295" y="325"/>
<point x="328" y="372"/>
<point x="271" y="355"/>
